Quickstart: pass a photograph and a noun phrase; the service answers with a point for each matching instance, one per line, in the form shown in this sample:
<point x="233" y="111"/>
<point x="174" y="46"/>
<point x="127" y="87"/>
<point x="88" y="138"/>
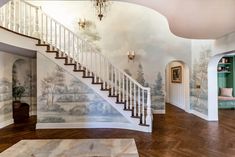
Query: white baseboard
<point x="159" y="111"/>
<point x="111" y="125"/>
<point x="6" y="123"/>
<point x="199" y="114"/>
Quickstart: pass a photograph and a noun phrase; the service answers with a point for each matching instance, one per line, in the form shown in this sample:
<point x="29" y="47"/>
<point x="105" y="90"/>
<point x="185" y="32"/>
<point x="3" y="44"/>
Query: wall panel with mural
<point x="63" y="98"/>
<point x="21" y="69"/>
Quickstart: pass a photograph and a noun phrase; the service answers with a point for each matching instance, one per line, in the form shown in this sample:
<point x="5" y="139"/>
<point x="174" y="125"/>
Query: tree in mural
<point x="53" y="84"/>
<point x="158" y="86"/>
<point x="140" y="75"/>
<point x="127" y="71"/>
<point x="15" y="81"/>
<point x="199" y="79"/>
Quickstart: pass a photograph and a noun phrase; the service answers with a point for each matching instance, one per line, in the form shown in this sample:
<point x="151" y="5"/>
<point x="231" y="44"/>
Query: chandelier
<point x="101" y="7"/>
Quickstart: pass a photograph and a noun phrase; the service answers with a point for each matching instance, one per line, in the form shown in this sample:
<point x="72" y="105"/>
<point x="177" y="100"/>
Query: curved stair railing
<point x="24" y="18"/>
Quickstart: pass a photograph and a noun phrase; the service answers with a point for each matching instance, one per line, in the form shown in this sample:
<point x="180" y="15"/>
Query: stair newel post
<point x="127" y="92"/>
<point x="149" y="114"/>
<point x="134" y="100"/>
<point x="139" y="102"/>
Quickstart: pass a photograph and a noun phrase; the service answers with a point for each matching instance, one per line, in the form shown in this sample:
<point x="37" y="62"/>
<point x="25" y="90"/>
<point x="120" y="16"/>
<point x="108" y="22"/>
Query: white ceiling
<point x="197" y="19"/>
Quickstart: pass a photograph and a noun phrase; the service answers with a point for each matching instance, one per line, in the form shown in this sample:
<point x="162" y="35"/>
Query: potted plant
<point x="18" y="91"/>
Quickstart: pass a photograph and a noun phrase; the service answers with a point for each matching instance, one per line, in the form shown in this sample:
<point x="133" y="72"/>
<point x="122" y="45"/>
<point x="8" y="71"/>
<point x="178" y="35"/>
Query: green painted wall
<point x="226" y="79"/>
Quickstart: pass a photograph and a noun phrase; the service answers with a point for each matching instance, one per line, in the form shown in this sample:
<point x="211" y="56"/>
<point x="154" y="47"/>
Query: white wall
<point x="177" y="94"/>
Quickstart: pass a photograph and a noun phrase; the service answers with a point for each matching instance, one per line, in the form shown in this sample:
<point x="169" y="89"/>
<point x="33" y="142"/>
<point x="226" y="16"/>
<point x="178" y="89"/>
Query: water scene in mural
<point x="5" y="99"/>
<point x="198" y="84"/>
<point x="63" y="98"/>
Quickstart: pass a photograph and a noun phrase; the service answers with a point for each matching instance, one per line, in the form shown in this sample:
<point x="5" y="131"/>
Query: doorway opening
<point x="177" y="85"/>
<point x="221" y="79"/>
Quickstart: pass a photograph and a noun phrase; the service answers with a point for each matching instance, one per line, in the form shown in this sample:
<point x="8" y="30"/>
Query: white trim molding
<point x="6" y="123"/>
<point x="110" y="125"/>
<point x="199" y="114"/>
<point x="159" y="111"/>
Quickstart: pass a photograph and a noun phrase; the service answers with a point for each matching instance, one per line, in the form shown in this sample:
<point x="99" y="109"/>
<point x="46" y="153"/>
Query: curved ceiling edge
<point x="195" y="19"/>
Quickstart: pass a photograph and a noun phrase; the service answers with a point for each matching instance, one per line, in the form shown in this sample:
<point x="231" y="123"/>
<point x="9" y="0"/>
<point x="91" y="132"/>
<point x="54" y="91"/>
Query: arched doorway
<point x="213" y="89"/>
<point x="177" y="91"/>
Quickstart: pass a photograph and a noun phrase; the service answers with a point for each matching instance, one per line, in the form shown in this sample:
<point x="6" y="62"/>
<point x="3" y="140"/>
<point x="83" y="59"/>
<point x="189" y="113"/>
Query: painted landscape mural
<point x="24" y="76"/>
<point x="5" y="100"/>
<point x="62" y="98"/>
<point x="17" y="71"/>
<point x="198" y="84"/>
<point x="144" y="31"/>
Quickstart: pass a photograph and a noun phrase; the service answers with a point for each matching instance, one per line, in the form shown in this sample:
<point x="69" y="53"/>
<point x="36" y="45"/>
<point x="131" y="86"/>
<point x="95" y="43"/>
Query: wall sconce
<point x="82" y="23"/>
<point x="131" y="55"/>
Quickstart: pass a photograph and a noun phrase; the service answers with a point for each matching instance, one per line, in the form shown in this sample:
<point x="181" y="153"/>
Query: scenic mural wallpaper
<point x="62" y="98"/>
<point x="17" y="71"/>
<point x="199" y="81"/>
<point x="143" y="30"/>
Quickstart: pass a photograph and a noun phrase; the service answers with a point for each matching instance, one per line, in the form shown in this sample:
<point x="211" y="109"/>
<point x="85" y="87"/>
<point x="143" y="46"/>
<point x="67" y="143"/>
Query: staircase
<point x="78" y="55"/>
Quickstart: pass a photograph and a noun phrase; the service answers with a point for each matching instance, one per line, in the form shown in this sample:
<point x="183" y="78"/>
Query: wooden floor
<point x="176" y="134"/>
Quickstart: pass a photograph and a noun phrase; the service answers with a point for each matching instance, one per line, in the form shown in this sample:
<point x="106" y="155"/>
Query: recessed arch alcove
<point x="178" y="93"/>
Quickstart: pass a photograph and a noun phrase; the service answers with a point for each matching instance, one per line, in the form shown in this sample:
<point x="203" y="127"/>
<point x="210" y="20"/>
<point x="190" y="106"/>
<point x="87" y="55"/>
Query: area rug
<point x="73" y="148"/>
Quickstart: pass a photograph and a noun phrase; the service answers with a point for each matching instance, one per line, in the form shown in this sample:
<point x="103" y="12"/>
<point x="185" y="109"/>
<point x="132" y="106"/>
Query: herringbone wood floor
<point x="176" y="134"/>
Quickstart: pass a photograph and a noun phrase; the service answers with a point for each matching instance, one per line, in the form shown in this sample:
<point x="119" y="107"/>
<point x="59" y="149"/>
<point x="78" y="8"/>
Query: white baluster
<point x="51" y="31"/>
<point x="119" y="86"/>
<point x="112" y="80"/>
<point x="60" y="46"/>
<point x="139" y="102"/>
<point x="64" y="41"/>
<point x="56" y="36"/>
<point x="123" y="87"/>
<point x="47" y="29"/>
<point x="25" y="20"/>
<point x="131" y="99"/>
<point x="42" y="30"/>
<point x="149" y="115"/>
<point x="30" y="22"/>
<point x="127" y="93"/>
<point x="143" y="107"/>
<point x="135" y="100"/>
<point x="69" y="48"/>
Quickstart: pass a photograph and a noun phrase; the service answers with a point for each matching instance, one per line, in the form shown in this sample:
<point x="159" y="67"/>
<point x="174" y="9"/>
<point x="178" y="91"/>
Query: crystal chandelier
<point x="101" y="7"/>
